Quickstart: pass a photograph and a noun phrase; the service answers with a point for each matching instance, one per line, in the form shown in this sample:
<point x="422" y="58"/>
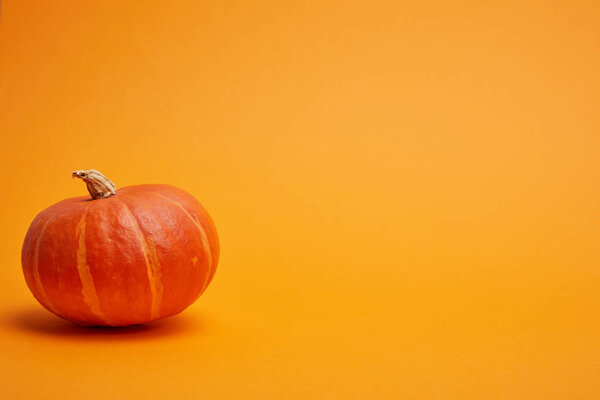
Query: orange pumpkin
<point x="144" y="253"/>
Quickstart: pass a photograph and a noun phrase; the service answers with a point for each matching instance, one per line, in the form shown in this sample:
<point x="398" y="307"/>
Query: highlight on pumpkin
<point x="118" y="262"/>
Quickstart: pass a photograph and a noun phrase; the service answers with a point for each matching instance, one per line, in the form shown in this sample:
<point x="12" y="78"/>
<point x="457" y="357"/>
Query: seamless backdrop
<point x="406" y="193"/>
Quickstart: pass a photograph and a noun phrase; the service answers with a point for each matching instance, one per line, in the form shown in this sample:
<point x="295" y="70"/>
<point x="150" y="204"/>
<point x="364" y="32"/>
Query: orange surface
<point x="406" y="193"/>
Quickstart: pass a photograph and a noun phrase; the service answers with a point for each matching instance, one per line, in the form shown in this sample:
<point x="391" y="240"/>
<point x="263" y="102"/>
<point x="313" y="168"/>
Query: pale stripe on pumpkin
<point x="152" y="264"/>
<point x="36" y="271"/>
<point x="88" y="289"/>
<point x="203" y="235"/>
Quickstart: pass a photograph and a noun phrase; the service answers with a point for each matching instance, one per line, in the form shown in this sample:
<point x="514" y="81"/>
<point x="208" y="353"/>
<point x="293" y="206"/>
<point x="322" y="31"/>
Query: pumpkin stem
<point x="98" y="185"/>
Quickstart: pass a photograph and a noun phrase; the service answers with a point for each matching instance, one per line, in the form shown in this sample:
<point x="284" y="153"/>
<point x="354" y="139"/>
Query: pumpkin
<point x="120" y="258"/>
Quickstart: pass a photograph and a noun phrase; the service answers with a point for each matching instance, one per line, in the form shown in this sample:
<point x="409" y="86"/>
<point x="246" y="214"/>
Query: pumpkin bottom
<point x="77" y="317"/>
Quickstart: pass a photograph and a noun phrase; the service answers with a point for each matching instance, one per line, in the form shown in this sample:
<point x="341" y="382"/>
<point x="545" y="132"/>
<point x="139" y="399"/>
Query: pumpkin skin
<point x="146" y="253"/>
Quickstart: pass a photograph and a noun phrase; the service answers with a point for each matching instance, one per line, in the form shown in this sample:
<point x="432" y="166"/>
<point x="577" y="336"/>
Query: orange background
<point x="407" y="193"/>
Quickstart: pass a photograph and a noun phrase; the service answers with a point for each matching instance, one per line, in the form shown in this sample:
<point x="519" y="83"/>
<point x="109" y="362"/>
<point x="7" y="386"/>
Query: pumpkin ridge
<point x="88" y="289"/>
<point x="36" y="272"/>
<point x="203" y="236"/>
<point x="152" y="263"/>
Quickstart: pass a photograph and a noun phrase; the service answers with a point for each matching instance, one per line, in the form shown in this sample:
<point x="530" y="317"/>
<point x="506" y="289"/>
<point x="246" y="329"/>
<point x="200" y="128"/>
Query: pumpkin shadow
<point x="41" y="322"/>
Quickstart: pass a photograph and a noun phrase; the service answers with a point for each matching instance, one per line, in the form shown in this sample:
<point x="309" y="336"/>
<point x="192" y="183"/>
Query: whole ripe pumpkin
<point x="120" y="258"/>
